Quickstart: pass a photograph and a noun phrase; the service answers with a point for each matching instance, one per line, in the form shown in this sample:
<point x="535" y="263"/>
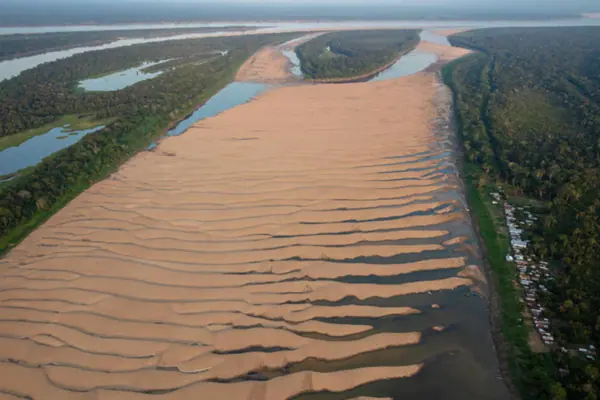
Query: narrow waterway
<point x="14" y="67"/>
<point x="296" y="68"/>
<point x="34" y="150"/>
<point x="121" y="79"/>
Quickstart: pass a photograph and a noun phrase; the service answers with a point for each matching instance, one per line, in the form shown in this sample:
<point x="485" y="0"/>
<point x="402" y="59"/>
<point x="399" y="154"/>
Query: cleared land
<point x="219" y="263"/>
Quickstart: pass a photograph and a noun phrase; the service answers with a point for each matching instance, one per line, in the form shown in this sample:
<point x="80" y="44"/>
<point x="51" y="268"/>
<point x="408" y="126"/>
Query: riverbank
<point x="71" y="122"/>
<point x="268" y="65"/>
<point x="282" y="217"/>
<point x="358" y="78"/>
<point x="521" y="367"/>
<point x="152" y="129"/>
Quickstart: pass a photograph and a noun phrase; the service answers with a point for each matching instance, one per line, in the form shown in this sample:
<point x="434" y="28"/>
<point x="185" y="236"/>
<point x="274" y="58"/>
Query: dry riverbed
<point x="312" y="241"/>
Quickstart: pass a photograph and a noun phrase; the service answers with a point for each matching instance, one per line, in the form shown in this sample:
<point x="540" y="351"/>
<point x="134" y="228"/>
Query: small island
<point x="354" y="55"/>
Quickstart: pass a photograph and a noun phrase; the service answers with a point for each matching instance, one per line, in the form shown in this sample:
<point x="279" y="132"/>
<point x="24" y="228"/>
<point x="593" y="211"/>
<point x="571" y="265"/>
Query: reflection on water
<point x="121" y="79"/>
<point x="232" y="95"/>
<point x="34" y="150"/>
<point x="432" y="37"/>
<point x="415" y="61"/>
<point x="293" y="57"/>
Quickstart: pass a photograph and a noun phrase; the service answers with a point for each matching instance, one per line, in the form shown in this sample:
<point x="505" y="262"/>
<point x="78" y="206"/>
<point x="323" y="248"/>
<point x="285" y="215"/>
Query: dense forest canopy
<point x="349" y="54"/>
<point x="529" y="105"/>
<point x="140" y="112"/>
<point x="40" y="95"/>
<point x="22" y="45"/>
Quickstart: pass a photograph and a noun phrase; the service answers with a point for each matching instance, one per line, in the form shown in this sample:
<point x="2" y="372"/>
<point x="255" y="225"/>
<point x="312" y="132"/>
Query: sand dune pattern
<point x="219" y="272"/>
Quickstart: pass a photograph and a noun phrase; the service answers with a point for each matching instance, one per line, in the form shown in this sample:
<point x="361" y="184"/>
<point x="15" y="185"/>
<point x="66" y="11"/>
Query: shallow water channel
<point x="14" y="67"/>
<point x="232" y="95"/>
<point x="120" y="79"/>
<point x="34" y="150"/>
<point x="296" y="68"/>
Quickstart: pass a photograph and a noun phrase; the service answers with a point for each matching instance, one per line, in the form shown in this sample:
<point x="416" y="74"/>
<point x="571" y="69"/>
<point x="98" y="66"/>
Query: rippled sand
<point x="214" y="265"/>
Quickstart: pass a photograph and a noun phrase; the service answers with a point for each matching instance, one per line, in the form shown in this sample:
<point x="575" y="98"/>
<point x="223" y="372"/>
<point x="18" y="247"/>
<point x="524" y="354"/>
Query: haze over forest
<point x="37" y="12"/>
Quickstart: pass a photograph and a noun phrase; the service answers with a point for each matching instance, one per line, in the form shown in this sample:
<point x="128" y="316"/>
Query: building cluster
<point x="531" y="275"/>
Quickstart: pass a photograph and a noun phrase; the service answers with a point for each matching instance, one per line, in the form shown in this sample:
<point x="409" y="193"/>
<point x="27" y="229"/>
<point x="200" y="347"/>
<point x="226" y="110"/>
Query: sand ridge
<point x="445" y="53"/>
<point x="267" y="65"/>
<point x="214" y="270"/>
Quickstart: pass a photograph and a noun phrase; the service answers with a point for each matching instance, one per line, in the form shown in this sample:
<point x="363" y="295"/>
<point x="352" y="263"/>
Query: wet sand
<point x="316" y="224"/>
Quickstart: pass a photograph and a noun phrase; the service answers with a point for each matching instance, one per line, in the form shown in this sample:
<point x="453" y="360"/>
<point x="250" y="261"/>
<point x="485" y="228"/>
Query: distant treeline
<point x="142" y="111"/>
<point x="529" y="108"/>
<point x="350" y="54"/>
<point x="40" y="95"/>
<point x="22" y="45"/>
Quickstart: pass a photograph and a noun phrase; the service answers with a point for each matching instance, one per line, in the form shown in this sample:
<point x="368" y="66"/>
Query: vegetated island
<point x="528" y="105"/>
<point x="43" y="95"/>
<point x="24" y="45"/>
<point x="353" y="55"/>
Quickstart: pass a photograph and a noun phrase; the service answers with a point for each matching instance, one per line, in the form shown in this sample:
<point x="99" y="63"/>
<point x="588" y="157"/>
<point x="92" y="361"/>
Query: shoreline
<point x="22" y="231"/>
<point x="495" y="309"/>
<point x="361" y="78"/>
<point x="273" y="235"/>
<point x="270" y="239"/>
<point x="477" y="213"/>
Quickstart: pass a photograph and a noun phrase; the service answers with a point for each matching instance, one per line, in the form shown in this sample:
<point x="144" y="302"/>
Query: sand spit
<point x="267" y="65"/>
<point x="211" y="272"/>
<point x="445" y="53"/>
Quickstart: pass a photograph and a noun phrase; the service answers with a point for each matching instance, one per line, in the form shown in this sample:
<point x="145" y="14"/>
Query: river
<point x="14" y="67"/>
<point x="455" y="345"/>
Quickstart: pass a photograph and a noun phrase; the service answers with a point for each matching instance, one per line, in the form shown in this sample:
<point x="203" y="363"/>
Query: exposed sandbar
<point x="191" y="273"/>
<point x="267" y="65"/>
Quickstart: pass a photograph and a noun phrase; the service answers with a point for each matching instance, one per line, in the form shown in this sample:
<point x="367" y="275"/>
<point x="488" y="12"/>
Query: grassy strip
<point x="21" y="231"/>
<point x="531" y="374"/>
<point x="77" y="123"/>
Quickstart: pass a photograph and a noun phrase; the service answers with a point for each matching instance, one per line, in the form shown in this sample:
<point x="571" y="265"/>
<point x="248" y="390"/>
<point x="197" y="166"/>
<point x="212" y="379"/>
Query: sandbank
<point x="214" y="269"/>
<point x="445" y="53"/>
<point x="267" y="65"/>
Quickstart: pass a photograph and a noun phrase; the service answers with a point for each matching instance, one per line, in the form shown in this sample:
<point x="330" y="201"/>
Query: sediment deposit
<point x="267" y="65"/>
<point x="226" y="261"/>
